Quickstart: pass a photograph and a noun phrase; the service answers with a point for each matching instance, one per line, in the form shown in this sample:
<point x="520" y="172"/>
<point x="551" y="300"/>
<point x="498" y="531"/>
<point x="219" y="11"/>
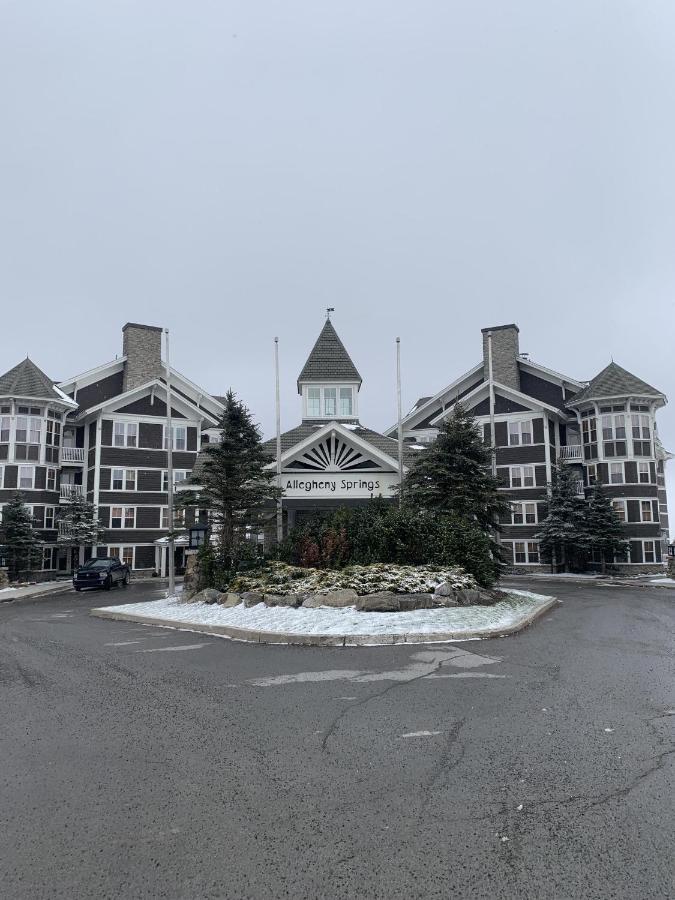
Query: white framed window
<point x="50" y="516"/>
<point x="522" y="476"/>
<point x="619" y="507"/>
<point x="644" y="476"/>
<point x="330" y="401"/>
<point x="122" y="517"/>
<point x="313" y="402"/>
<point x="125" y="554"/>
<point x="123" y="479"/>
<point x="26" y="478"/>
<point x="28" y="430"/>
<point x="49" y="558"/>
<point x="524" y="514"/>
<point x="2" y="477"/>
<point x="53" y="433"/>
<point x="346" y="401"/>
<point x="592" y="473"/>
<point x="641" y="427"/>
<point x="178" y="518"/>
<point x="125" y="434"/>
<point x="164" y="523"/>
<point x="5" y="423"/>
<point x="520" y="433"/>
<point x="179" y="434"/>
<point x="589" y="433"/>
<point x="649" y="550"/>
<point x="51" y="479"/>
<point x="616" y="473"/>
<point x="614" y="428"/>
<point x="646" y="512"/>
<point x="526" y="552"/>
<point x="179" y="475"/>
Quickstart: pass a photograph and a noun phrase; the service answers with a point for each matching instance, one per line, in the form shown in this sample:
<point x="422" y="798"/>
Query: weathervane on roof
<point x="329" y="310"/>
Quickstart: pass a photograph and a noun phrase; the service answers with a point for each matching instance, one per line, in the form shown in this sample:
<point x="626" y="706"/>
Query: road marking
<point x="467" y="675"/>
<point x="167" y="649"/>
<point x="416" y="734"/>
<point x="122" y="643"/>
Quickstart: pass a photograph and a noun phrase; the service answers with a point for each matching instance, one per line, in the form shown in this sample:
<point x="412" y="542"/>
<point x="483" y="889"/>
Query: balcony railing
<point x="572" y="452"/>
<point x="72" y="454"/>
<point x="68" y="491"/>
<point x="580" y="489"/>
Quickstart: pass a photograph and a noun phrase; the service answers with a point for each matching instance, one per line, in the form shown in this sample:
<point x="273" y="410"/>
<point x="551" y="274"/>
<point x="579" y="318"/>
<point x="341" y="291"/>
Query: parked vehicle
<point x="102" y="573"/>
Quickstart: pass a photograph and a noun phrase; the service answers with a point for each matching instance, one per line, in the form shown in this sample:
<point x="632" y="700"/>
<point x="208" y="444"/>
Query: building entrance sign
<point x="338" y="485"/>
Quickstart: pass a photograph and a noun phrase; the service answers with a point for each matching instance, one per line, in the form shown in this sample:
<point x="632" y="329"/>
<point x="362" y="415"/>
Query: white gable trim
<point x="177" y="402"/>
<point x="532" y="404"/>
<point x="349" y="436"/>
<point x="555" y="377"/>
<point x="89" y="377"/>
<point x="422" y="411"/>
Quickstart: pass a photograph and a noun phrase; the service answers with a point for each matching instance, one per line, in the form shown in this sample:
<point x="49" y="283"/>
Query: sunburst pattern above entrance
<point x="332" y="454"/>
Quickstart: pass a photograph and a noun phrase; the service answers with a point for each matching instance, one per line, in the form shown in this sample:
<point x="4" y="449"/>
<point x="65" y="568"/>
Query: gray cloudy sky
<point x="230" y="169"/>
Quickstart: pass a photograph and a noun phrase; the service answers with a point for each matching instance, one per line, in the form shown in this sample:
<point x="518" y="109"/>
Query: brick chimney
<point x="505" y="350"/>
<point x="142" y="346"/>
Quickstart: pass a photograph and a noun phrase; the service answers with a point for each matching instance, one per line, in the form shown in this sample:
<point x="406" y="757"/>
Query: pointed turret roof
<point x="26" y="380"/>
<point x="328" y="360"/>
<point x="615" y="381"/>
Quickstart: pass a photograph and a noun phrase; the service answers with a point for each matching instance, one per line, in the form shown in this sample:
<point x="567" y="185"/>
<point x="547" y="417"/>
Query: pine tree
<point x="22" y="545"/>
<point x="235" y="483"/>
<point x="455" y="474"/>
<point x="603" y="526"/>
<point x="563" y="536"/>
<point x="79" y="524"/>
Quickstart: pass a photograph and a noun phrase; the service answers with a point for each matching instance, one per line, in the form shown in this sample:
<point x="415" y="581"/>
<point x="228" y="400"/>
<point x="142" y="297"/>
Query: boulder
<point x="415" y="601"/>
<point x="251" y="598"/>
<point x="439" y="602"/>
<point x="282" y="600"/>
<point x="445" y="589"/>
<point x="339" y="598"/>
<point x="208" y="595"/>
<point x="229" y="599"/>
<point x="383" y="601"/>
<point x="469" y="597"/>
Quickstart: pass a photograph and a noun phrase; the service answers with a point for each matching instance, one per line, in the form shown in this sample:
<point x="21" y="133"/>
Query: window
<point x="520" y="433"/>
<point x="613" y="428"/>
<point x="526" y="552"/>
<point x="619" y="507"/>
<point x="330" y="401"/>
<point x="178" y="517"/>
<point x="4" y="429"/>
<point x="179" y="433"/>
<point x="123" y="479"/>
<point x="179" y="475"/>
<point x="643" y="473"/>
<point x="346" y="401"/>
<point x="589" y="431"/>
<point x="125" y="434"/>
<point x="522" y="476"/>
<point x="313" y="401"/>
<point x="649" y="551"/>
<point x="123" y="517"/>
<point x="2" y="475"/>
<point x="646" y="511"/>
<point x="592" y="473"/>
<point x="27" y="430"/>
<point x="53" y="433"/>
<point x="49" y="558"/>
<point x="524" y="514"/>
<point x="26" y="477"/>
<point x="641" y="427"/>
<point x="616" y="473"/>
<point x="49" y="516"/>
<point x="165" y="518"/>
<point x="51" y="479"/>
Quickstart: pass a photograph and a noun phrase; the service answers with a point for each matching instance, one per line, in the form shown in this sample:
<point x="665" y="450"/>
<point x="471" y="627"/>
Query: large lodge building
<point x="102" y="434"/>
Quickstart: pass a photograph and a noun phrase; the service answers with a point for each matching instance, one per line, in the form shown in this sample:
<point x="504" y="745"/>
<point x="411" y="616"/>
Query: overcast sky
<point x="230" y="169"/>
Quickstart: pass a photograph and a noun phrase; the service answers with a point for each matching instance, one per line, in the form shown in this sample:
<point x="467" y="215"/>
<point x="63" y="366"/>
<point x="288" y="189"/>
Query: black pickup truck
<point x="101" y="573"/>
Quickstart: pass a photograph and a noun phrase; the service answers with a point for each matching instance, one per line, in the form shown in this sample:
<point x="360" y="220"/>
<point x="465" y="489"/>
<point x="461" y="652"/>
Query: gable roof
<point x="381" y="442"/>
<point x="614" y="381"/>
<point x="26" y="380"/>
<point x="329" y="359"/>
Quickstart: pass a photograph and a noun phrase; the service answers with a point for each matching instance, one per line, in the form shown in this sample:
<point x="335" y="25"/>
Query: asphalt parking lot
<point x="147" y="762"/>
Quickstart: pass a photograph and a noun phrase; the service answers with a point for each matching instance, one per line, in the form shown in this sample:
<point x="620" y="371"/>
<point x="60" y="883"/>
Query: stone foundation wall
<point x="4" y="577"/>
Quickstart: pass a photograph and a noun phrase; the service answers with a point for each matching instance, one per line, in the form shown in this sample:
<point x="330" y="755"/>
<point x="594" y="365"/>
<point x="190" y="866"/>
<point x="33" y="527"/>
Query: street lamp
<point x="198" y="533"/>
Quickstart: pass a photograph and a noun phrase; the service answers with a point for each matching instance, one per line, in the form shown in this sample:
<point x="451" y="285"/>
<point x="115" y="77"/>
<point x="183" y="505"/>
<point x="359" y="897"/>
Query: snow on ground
<point x="662" y="581"/>
<point x="6" y="590"/>
<point x="329" y="621"/>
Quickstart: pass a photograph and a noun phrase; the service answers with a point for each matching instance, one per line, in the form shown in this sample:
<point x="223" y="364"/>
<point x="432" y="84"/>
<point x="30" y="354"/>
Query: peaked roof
<point x="26" y="380"/>
<point x="614" y="381"/>
<point x="328" y="360"/>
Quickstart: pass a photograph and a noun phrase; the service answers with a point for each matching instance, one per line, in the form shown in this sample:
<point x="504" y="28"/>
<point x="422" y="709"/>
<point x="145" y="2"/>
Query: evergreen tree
<point x="563" y="537"/>
<point x="79" y="525"/>
<point x="454" y="476"/>
<point x="22" y="545"/>
<point x="603" y="526"/>
<point x="234" y="484"/>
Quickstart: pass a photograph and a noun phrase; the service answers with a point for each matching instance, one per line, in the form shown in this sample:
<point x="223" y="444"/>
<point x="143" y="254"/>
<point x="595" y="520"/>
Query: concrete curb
<point x="330" y="640"/>
<point x="66" y="588"/>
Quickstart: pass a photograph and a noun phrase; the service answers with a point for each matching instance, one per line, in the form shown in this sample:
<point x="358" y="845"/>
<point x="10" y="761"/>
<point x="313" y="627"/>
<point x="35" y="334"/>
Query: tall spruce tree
<point x="234" y="484"/>
<point x="79" y="525"/>
<point x="604" y="528"/>
<point x="563" y="536"/>
<point x="454" y="476"/>
<point x="22" y="544"/>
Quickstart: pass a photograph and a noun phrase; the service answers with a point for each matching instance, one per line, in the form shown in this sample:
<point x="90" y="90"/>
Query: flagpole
<point x="400" y="421"/>
<point x="169" y="465"/>
<point x="280" y="517"/>
<point x="491" y="387"/>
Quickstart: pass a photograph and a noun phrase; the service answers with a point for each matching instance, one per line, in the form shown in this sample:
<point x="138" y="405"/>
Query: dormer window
<point x="346" y="401"/>
<point x="330" y="401"/>
<point x="314" y="402"/>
